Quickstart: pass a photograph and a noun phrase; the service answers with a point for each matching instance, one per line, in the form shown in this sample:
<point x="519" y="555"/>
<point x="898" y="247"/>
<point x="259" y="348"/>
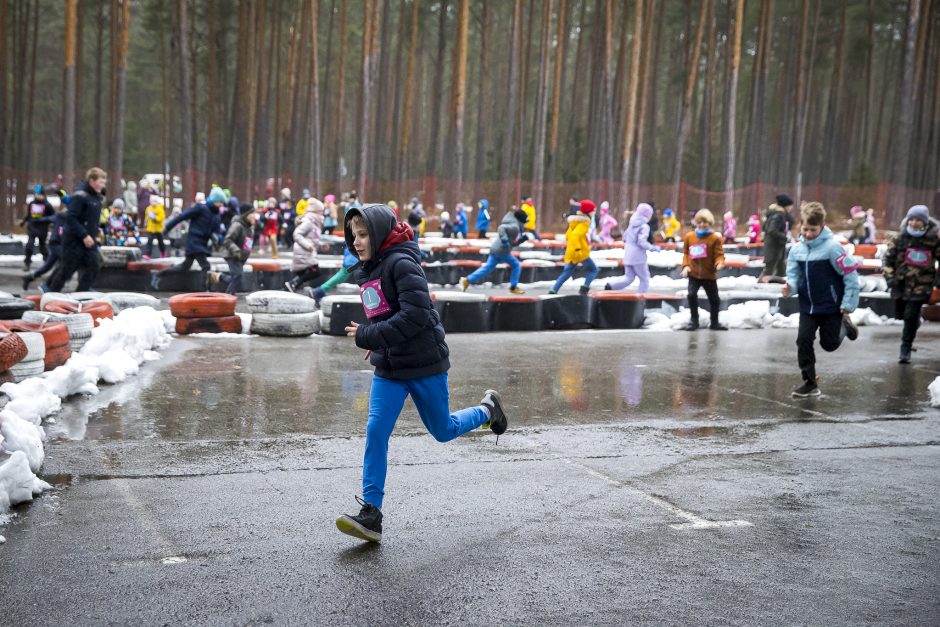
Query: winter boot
<point x="366" y="525"/>
<point x="584" y="289"/>
<point x="464" y="283"/>
<point x="851" y="331"/>
<point x="27" y="279"/>
<point x="905" y="356"/>
<point x="515" y="289"/>
<point x="692" y="325"/>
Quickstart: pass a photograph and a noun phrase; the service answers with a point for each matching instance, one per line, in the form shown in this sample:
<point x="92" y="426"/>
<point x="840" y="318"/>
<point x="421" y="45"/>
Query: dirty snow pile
<point x="753" y="314"/>
<point x="934" y="389"/>
<point x="116" y="349"/>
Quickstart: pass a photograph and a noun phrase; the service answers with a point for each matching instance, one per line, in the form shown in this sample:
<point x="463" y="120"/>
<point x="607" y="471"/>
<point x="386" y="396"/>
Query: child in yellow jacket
<point x="671" y="226"/>
<point x="156" y="214"/>
<point x="578" y="250"/>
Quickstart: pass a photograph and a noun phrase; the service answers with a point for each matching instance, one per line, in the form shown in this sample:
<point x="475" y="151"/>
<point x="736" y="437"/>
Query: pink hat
<point x="329" y="198"/>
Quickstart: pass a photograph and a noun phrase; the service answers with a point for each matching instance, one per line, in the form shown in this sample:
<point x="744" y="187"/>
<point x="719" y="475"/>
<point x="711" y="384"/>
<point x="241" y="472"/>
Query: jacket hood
<point x="932" y="223"/>
<point x="578" y="217"/>
<point x="484" y="204"/>
<point x="384" y="229"/>
<point x="84" y="186"/>
<point x="642" y="214"/>
<point x="774" y="208"/>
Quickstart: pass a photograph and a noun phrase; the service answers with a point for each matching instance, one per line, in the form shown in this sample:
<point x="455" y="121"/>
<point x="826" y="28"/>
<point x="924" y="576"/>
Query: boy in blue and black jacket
<point x="826" y="281"/>
<point x="405" y="340"/>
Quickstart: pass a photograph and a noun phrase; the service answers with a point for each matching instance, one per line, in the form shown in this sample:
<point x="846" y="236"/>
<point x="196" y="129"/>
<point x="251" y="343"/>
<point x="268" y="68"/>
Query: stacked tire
<point x="55" y="335"/>
<point x="282" y="314"/>
<point x="205" y="312"/>
<point x="98" y="310"/>
<point x="79" y="325"/>
<point x="13" y="308"/>
<point x="12" y="351"/>
<point x="120" y="301"/>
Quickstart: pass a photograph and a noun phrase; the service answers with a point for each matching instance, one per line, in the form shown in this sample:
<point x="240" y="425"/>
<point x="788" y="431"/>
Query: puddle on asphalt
<point x="268" y="387"/>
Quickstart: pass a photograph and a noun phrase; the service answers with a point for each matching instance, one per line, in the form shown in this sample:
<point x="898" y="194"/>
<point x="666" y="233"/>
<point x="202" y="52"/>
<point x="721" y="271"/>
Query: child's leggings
<point x="711" y="290"/>
<point x="431" y="397"/>
<point x="640" y="271"/>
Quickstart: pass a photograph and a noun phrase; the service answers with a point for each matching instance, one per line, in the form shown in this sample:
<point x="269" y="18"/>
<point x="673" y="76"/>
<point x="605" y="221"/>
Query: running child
<point x="508" y="235"/>
<point x="635" y="245"/>
<point x="671" y="226"/>
<point x="405" y="340"/>
<point x="703" y="255"/>
<point x="578" y="250"/>
<point x="825" y="279"/>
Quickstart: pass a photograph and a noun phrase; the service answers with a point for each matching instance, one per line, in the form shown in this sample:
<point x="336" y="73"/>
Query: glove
<point x="655" y="249"/>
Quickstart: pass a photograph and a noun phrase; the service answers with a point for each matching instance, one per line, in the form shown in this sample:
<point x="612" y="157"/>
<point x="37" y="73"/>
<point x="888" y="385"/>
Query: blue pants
<point x="515" y="268"/>
<point x="233" y="278"/>
<point x="55" y="253"/>
<point x="568" y="270"/>
<point x="430" y="396"/>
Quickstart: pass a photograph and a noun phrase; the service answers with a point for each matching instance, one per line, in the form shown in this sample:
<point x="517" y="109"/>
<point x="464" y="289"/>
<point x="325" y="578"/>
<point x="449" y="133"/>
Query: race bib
<point x="917" y="257"/>
<point x="373" y="300"/>
<point x="247" y="244"/>
<point x="847" y="264"/>
<point x="698" y="251"/>
<point x="117" y="224"/>
<point x="37" y="210"/>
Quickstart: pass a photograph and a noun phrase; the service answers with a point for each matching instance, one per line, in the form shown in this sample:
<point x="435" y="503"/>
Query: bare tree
<point x="68" y="98"/>
<point x="629" y="124"/>
<point x="732" y="103"/>
<point x="460" y="85"/>
<point x="116" y="170"/>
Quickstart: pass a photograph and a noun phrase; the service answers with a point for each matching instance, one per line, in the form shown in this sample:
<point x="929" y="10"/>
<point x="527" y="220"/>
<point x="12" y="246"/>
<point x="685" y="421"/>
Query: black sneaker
<point x="498" y="421"/>
<point x="290" y="286"/>
<point x="851" y="331"/>
<point x="691" y="326"/>
<point x="717" y="326"/>
<point x="366" y="525"/>
<point x="905" y="356"/>
<point x="27" y="279"/>
<point x="809" y="388"/>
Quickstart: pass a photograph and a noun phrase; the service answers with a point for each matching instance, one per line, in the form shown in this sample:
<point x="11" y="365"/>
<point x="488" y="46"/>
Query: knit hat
<point x="329" y="198"/>
<point x="285" y="193"/>
<point x="521" y="215"/>
<point x="117" y="203"/>
<point x="667" y="212"/>
<point x="856" y="211"/>
<point x="245" y="208"/>
<point x="783" y="200"/>
<point x="605" y="207"/>
<point x="919" y="212"/>
<point x="587" y="206"/>
<point x="306" y="193"/>
<point x="217" y="195"/>
<point x="200" y="197"/>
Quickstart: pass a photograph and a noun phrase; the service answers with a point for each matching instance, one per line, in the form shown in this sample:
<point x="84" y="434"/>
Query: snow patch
<point x="934" y="389"/>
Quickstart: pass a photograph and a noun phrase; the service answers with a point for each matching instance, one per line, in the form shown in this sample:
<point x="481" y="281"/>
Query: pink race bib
<point x="917" y="257"/>
<point x="373" y="300"/>
<point x="847" y="263"/>
<point x="247" y="244"/>
<point x="698" y="251"/>
<point x="37" y="210"/>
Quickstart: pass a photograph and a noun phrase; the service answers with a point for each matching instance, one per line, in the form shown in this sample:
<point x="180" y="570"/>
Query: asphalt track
<point x="662" y="478"/>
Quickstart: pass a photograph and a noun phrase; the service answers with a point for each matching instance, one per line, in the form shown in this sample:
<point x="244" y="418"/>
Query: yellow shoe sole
<point x="351" y="528"/>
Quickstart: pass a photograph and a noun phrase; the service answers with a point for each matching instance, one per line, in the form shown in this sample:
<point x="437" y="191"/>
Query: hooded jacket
<point x="578" y="248"/>
<point x="507" y="235"/>
<point x="483" y="218"/>
<point x="307" y="237"/>
<point x="203" y="223"/>
<point x="238" y="239"/>
<point x="823" y="275"/>
<point x="156" y="214"/>
<point x="775" y="224"/>
<point x="635" y="238"/>
<point x="404" y="331"/>
<point x="910" y="263"/>
<point x="84" y="214"/>
<point x="39" y="213"/>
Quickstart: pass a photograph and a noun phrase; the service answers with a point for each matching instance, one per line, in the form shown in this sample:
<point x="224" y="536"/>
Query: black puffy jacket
<point x="404" y="332"/>
<point x="83" y="215"/>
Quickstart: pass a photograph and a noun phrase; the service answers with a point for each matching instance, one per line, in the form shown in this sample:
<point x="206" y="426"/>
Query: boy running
<point x="825" y="279"/>
<point x="405" y="340"/>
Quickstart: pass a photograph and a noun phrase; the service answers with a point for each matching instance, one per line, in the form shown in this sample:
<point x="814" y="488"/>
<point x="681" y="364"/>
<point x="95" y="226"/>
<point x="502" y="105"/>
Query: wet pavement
<point x="646" y="478"/>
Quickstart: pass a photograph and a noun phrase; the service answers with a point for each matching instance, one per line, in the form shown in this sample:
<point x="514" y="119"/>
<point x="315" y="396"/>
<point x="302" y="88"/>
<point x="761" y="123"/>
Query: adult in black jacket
<point x="204" y="223"/>
<point x="39" y="214"/>
<point x="80" y="239"/>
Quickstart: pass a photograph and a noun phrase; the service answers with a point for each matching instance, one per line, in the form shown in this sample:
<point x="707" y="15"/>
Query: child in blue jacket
<point x="405" y="340"/>
<point x="825" y="278"/>
<point x="483" y="218"/>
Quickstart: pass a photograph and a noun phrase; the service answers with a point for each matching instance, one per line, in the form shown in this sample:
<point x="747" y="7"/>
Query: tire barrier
<point x="128" y="300"/>
<point x="79" y="325"/>
<point x="462" y="312"/>
<point x="12" y="350"/>
<point x="618" y="310"/>
<point x="339" y="311"/>
<point x="286" y="324"/>
<point x="55" y="297"/>
<point x="515" y="313"/>
<point x="209" y="324"/>
<point x="55" y="335"/>
<point x="98" y="310"/>
<point x="14" y="308"/>
<point x="567" y="311"/>
<point x="118" y="256"/>
<point x="147" y="266"/>
<point x="931" y="313"/>
<point x="202" y="305"/>
<point x="275" y="302"/>
<point x="34" y="362"/>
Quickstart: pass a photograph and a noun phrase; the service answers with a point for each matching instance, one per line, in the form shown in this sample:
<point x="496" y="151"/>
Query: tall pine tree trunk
<point x="510" y="118"/>
<point x="899" y="173"/>
<point x="406" y="114"/>
<point x="68" y="96"/>
<point x="313" y="123"/>
<point x="541" y="121"/>
<point x="185" y="111"/>
<point x="732" y="104"/>
<point x="629" y="124"/>
<point x="117" y="130"/>
<point x="459" y="96"/>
